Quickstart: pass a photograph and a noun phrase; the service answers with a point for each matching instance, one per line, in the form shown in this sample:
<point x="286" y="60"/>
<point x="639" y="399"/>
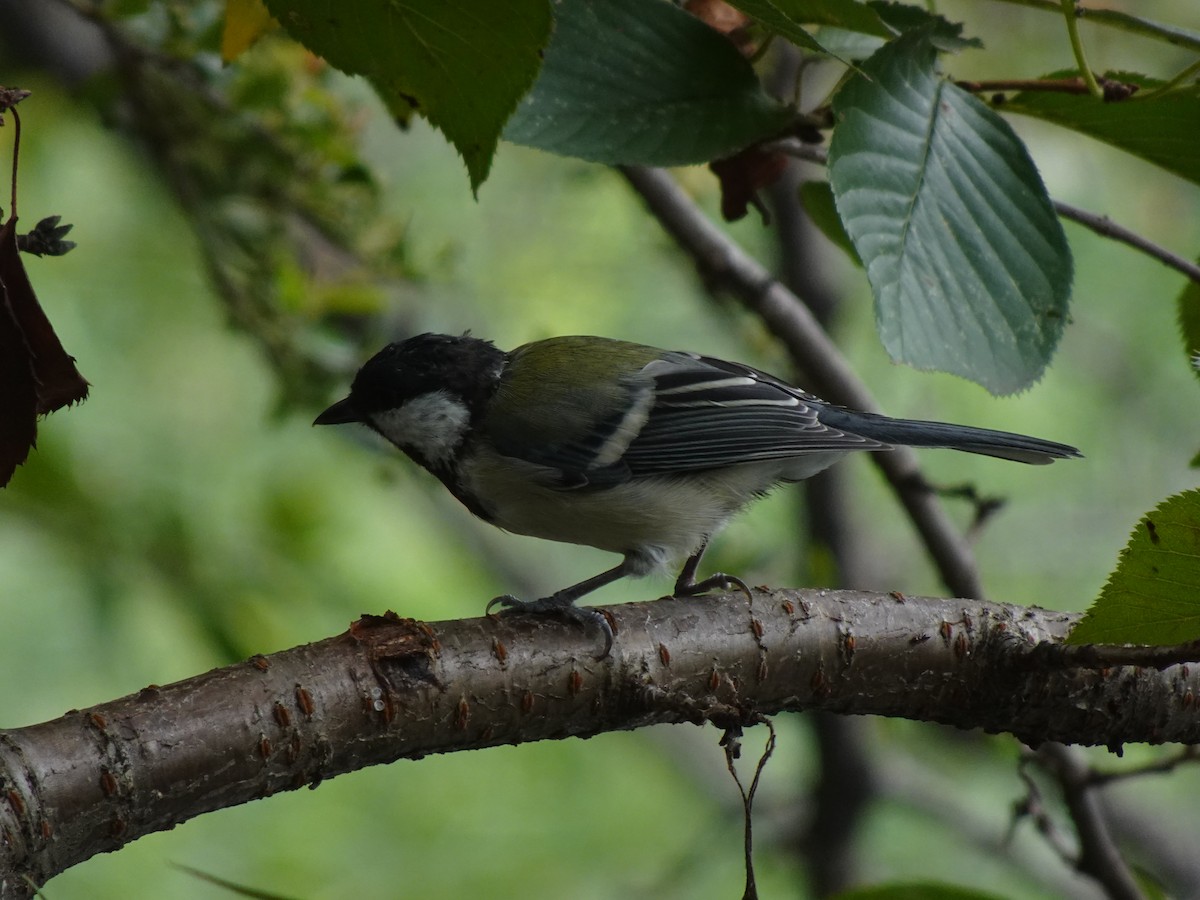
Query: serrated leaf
<point x="245" y="22"/>
<point x="1187" y="308"/>
<point x="642" y="82"/>
<point x="968" y="263"/>
<point x="1153" y="595"/>
<point x="845" y="44"/>
<point x="1164" y="129"/>
<point x="787" y="18"/>
<point x="817" y="199"/>
<point x="463" y="66"/>
<point x="944" y="34"/>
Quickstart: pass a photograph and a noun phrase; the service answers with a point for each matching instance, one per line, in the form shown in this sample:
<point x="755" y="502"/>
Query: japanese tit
<point x="628" y="448"/>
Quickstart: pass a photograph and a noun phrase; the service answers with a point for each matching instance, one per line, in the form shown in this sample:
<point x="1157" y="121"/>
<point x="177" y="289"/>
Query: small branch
<point x="1098" y="853"/>
<point x="1099" y="656"/>
<point x="1071" y="11"/>
<point x="1033" y="807"/>
<point x="1114" y="18"/>
<point x="1159" y="767"/>
<point x="1044" y="85"/>
<point x="722" y="263"/>
<point x="1111" y="91"/>
<point x="1106" y="227"/>
<point x="16" y="159"/>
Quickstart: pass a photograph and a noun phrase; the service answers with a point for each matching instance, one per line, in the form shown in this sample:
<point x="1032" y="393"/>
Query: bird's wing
<point x="676" y="412"/>
<point x="568" y="408"/>
<point x="708" y="413"/>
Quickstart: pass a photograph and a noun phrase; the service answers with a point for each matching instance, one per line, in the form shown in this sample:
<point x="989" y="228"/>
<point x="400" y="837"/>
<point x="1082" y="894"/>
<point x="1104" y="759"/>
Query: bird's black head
<point x="422" y="394"/>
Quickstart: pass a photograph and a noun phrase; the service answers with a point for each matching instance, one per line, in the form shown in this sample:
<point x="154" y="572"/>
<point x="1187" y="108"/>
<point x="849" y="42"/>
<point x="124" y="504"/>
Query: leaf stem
<point x="1071" y="14"/>
<point x="16" y="158"/>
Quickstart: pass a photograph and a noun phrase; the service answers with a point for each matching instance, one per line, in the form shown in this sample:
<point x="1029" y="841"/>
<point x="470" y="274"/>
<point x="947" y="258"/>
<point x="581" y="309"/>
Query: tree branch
<point x="1106" y="227"/>
<point x="392" y="688"/>
<point x="1115" y="18"/>
<point x="1098" y="853"/>
<point x="723" y="263"/>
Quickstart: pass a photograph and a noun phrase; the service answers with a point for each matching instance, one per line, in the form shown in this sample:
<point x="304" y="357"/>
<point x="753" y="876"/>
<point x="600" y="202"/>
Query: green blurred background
<point x="185" y="516"/>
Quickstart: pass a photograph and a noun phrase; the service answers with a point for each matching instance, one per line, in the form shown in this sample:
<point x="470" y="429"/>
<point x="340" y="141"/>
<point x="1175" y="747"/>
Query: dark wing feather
<point x="710" y="413"/>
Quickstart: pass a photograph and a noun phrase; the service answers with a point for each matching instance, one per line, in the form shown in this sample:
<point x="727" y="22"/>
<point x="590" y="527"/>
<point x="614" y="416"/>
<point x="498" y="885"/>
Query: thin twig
<point x="1098" y="853"/>
<point x="732" y="744"/>
<point x="1115" y="18"/>
<point x="16" y="158"/>
<point x="1101" y="225"/>
<point x="1162" y="766"/>
<point x="1102" y="656"/>
<point x="1043" y="85"/>
<point x="1106" y="227"/>
<point x="724" y="264"/>
<point x="1033" y="807"/>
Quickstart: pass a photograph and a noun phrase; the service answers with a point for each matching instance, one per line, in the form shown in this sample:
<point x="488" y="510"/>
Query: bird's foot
<point x="557" y="605"/>
<point x="716" y="582"/>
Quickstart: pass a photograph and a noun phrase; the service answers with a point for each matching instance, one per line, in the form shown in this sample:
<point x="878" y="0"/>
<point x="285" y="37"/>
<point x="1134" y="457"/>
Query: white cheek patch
<point x="431" y="425"/>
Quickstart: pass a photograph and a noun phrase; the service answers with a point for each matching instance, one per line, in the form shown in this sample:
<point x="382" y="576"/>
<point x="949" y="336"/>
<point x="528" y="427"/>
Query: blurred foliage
<point x="187" y="515"/>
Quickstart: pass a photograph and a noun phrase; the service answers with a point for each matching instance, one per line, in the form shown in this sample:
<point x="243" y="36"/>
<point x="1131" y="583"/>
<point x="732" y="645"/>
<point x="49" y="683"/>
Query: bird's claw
<point x="716" y="581"/>
<point x="504" y="601"/>
<point x="552" y="605"/>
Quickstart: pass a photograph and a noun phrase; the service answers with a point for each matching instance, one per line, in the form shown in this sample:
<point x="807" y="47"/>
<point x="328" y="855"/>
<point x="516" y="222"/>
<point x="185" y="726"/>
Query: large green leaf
<point x="1164" y="129"/>
<point x="1153" y="596"/>
<point x="463" y="66"/>
<point x="967" y="260"/>
<point x="641" y="81"/>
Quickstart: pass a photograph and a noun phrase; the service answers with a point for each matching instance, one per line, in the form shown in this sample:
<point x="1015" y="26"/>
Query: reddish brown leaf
<point x="743" y="176"/>
<point x="57" y="383"/>
<point x="18" y="399"/>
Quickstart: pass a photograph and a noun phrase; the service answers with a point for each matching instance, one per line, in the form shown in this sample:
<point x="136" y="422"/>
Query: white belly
<point x="651" y="521"/>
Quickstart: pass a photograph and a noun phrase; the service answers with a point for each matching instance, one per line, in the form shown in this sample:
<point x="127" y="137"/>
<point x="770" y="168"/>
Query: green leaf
<point x="944" y="34"/>
<point x="787" y="18"/>
<point x="1162" y="129"/>
<point x="817" y="198"/>
<point x="1153" y="596"/>
<point x="463" y="66"/>
<point x="641" y="81"/>
<point x="967" y="260"/>
<point x="1187" y="308"/>
<point x="847" y="44"/>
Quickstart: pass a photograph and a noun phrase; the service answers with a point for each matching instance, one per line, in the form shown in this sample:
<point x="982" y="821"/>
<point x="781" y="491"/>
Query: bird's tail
<point x="913" y="433"/>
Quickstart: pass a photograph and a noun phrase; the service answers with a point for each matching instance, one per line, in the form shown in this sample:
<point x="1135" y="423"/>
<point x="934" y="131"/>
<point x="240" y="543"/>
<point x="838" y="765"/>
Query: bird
<point x="621" y="446"/>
